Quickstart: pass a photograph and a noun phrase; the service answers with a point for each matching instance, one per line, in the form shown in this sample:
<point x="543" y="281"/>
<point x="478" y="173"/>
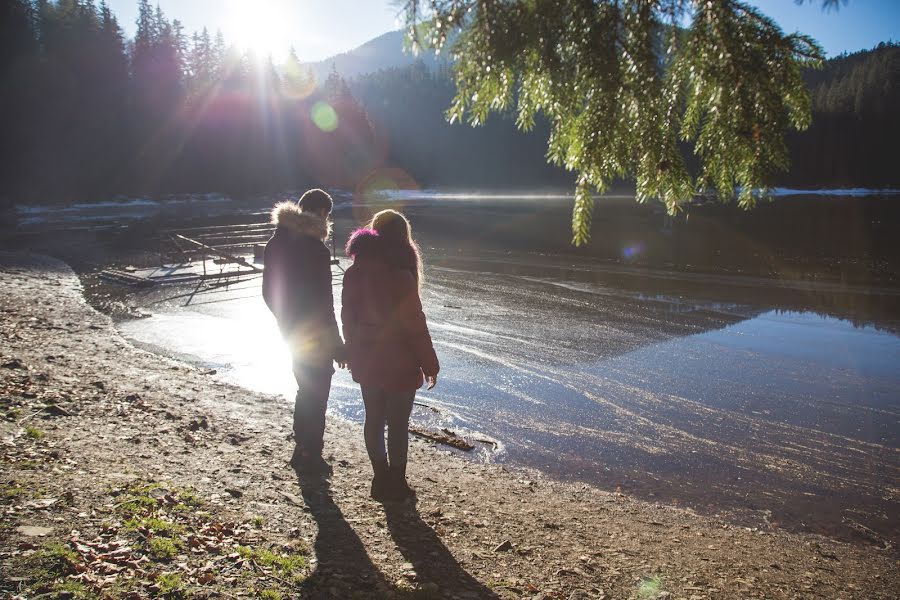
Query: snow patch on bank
<point x="834" y="192"/>
<point x="432" y="194"/>
<point x="119" y="210"/>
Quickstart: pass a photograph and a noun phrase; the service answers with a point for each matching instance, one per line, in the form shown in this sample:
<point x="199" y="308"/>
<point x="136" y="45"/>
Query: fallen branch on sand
<point x="443" y="437"/>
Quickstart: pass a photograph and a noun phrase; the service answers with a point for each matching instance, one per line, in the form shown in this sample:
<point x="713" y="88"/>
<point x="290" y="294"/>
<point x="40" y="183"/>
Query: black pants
<point x="392" y="408"/>
<point x="313" y="387"/>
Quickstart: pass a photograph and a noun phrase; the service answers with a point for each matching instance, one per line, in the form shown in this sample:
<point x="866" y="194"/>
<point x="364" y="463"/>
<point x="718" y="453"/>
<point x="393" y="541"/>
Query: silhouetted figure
<point x="297" y="289"/>
<point x="388" y="344"/>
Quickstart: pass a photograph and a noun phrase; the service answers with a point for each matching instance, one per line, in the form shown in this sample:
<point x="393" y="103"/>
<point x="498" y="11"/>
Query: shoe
<point x="380" y="482"/>
<point x="309" y="464"/>
<point x="398" y="488"/>
<point x="379" y="491"/>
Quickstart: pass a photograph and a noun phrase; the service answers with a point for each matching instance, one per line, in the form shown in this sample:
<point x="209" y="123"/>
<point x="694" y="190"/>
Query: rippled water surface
<point x="774" y="401"/>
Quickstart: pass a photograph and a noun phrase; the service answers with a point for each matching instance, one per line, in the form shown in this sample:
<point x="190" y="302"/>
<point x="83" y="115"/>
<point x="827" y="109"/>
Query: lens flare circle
<point x="385" y="187"/>
<point x="632" y="251"/>
<point x="324" y="116"/>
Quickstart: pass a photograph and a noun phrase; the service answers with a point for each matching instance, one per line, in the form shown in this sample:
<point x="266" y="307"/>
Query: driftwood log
<point x="445" y="436"/>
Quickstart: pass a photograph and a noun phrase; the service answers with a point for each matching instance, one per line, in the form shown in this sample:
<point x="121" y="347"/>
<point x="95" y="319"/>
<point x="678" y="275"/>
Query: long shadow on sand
<point x="432" y="561"/>
<point x="344" y="567"/>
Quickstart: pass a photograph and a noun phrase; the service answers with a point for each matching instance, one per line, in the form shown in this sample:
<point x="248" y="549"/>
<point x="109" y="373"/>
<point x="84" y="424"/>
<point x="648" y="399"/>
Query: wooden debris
<point x="220" y="253"/>
<point x="445" y="436"/>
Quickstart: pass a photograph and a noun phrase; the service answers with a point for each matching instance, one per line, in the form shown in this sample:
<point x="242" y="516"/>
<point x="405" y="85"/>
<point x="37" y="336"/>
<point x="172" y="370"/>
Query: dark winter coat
<point x="297" y="286"/>
<point x="388" y="344"/>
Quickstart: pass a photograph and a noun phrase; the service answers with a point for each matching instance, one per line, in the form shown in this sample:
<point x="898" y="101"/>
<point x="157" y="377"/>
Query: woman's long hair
<point x="401" y="250"/>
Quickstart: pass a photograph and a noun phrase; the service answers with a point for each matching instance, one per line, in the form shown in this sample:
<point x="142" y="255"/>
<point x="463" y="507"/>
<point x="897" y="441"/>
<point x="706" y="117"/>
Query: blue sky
<point x="317" y="29"/>
<point x="858" y="25"/>
<point x="321" y="28"/>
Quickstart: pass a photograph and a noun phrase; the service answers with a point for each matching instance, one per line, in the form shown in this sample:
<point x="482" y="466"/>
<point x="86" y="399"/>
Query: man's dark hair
<point x="315" y="200"/>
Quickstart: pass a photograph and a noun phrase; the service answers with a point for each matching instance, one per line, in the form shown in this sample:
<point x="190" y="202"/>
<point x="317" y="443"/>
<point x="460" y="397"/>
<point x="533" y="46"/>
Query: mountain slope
<point x="383" y="52"/>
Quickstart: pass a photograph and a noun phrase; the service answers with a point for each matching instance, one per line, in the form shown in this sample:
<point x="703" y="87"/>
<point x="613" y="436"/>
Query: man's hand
<point x="432" y="381"/>
<point x="340" y="356"/>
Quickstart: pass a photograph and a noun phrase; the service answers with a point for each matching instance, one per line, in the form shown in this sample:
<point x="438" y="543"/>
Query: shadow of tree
<point x="432" y="561"/>
<point x="344" y="569"/>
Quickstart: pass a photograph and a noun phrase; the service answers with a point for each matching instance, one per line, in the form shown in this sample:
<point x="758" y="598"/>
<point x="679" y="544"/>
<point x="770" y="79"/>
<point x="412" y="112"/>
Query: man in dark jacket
<point x="297" y="289"/>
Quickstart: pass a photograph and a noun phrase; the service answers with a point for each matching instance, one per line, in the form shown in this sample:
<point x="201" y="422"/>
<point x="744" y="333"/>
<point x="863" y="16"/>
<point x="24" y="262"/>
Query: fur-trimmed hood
<point x="363" y="241"/>
<point x="288" y="216"/>
<point x="368" y="246"/>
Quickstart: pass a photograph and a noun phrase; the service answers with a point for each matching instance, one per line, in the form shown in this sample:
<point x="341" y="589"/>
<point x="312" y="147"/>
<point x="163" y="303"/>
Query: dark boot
<point x="399" y="488"/>
<point x="298" y="457"/>
<point x="380" y="481"/>
<point x="309" y="463"/>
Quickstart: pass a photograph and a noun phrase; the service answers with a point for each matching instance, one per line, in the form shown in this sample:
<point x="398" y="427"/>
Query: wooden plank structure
<point x="224" y="239"/>
<point x="210" y="257"/>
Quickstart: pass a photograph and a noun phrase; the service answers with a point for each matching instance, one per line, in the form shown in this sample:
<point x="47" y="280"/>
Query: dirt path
<point x="127" y="475"/>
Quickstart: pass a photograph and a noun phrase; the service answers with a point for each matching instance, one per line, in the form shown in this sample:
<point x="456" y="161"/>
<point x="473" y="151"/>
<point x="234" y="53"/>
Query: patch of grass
<point x="137" y="506"/>
<point x="288" y="566"/>
<point x="171" y="586"/>
<point x="271" y="594"/>
<point x="52" y="561"/>
<point x="650" y="587"/>
<point x="59" y="554"/>
<point x="73" y="589"/>
<point x="163" y="548"/>
<point x="146" y="488"/>
<point x="188" y="497"/>
<point x="11" y="491"/>
<point x="138" y="502"/>
<point x="258" y="522"/>
<point x="28" y="465"/>
<point x="33" y="432"/>
<point x="121" y="587"/>
<point x="154" y="525"/>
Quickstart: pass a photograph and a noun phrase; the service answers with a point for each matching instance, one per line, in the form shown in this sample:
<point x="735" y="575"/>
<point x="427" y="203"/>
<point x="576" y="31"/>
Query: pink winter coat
<point x="386" y="336"/>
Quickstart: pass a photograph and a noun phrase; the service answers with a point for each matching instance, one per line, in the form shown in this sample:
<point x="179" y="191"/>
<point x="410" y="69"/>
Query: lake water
<point x="775" y="400"/>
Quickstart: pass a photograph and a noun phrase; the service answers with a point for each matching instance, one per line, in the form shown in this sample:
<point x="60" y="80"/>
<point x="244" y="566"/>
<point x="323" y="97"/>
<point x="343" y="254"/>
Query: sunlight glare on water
<point x="233" y="332"/>
<point x="237" y="338"/>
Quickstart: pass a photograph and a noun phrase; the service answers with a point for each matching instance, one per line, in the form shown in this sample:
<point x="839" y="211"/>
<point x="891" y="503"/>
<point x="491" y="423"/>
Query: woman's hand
<point x="432" y="381"/>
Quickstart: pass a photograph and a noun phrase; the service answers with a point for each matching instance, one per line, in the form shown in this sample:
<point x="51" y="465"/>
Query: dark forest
<point x="86" y="112"/>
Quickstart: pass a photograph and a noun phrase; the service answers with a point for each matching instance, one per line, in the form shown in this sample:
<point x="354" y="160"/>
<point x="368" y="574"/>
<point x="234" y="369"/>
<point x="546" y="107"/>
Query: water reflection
<point x="710" y="399"/>
<point x="673" y="373"/>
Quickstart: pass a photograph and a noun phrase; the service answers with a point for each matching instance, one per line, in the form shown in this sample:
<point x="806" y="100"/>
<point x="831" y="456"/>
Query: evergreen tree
<point x="17" y="32"/>
<point x="146" y="34"/>
<point x="85" y="112"/>
<point x="298" y="81"/>
<point x="623" y="84"/>
<point x="219" y="50"/>
<point x="158" y="96"/>
<point x="18" y="54"/>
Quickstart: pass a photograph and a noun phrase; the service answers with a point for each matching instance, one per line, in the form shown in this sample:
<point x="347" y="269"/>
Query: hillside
<point x="852" y="141"/>
<point x="383" y="52"/>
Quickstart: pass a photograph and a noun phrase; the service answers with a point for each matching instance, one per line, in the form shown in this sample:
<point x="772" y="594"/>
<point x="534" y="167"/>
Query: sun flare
<point x="260" y="26"/>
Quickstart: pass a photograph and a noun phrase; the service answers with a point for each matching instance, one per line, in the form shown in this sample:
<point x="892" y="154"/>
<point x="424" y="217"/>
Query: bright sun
<point x="261" y="26"/>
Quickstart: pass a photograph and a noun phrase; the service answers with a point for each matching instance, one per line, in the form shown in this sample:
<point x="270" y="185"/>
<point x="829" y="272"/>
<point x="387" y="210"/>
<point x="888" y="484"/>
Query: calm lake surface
<point x="765" y="388"/>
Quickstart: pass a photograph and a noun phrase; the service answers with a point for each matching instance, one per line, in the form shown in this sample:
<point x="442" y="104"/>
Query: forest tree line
<point x="87" y="113"/>
<point x="853" y="139"/>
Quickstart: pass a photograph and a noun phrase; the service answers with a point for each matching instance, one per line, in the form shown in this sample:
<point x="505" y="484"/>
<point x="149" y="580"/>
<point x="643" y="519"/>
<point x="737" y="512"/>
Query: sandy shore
<point x="159" y="481"/>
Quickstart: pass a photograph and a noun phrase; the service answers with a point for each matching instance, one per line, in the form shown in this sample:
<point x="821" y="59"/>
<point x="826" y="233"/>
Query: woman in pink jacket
<point x="388" y="345"/>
